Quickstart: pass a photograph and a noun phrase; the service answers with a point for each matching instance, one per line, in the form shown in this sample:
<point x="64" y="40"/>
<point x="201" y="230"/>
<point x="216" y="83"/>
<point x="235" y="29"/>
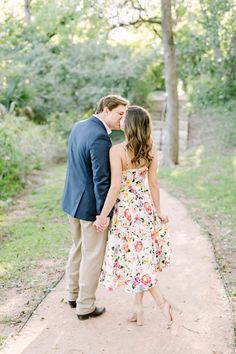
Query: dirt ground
<point x="19" y="301"/>
<point x="192" y="283"/>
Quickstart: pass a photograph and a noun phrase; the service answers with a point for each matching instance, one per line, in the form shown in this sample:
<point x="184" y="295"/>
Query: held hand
<point x="101" y="223"/>
<point x="163" y="218"/>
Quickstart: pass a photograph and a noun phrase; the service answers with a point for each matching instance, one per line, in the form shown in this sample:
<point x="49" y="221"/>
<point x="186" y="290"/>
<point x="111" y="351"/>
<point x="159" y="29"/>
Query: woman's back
<point x="126" y="157"/>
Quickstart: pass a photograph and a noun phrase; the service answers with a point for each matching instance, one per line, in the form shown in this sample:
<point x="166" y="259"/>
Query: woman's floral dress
<point x="138" y="244"/>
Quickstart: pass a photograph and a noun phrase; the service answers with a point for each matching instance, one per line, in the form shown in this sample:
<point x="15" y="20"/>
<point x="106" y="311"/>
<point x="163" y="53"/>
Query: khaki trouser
<point x="84" y="264"/>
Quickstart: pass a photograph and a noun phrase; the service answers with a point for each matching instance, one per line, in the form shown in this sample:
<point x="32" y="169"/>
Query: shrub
<point x="208" y="90"/>
<point x="24" y="147"/>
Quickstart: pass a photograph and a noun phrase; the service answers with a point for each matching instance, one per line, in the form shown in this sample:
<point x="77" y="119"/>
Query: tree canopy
<point x="62" y="56"/>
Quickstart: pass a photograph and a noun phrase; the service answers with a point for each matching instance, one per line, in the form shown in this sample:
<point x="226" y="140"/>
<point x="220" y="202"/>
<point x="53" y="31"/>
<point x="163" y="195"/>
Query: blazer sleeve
<point x="99" y="153"/>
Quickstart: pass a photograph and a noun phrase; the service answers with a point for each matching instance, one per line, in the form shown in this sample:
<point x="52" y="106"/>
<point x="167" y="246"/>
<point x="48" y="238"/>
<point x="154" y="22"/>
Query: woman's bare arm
<point x="153" y="185"/>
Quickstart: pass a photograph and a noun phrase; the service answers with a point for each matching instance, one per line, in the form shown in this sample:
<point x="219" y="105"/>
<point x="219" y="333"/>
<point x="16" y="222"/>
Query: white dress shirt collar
<point x="105" y="125"/>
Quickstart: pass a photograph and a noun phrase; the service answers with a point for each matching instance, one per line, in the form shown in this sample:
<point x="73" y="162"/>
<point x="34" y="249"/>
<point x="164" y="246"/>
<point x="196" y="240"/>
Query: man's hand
<point x="101" y="223"/>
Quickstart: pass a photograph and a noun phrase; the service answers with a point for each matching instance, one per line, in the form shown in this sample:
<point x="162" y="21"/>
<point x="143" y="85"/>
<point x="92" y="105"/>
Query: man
<point x="86" y="186"/>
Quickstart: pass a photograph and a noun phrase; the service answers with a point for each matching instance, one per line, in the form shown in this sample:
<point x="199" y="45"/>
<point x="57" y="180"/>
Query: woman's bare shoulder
<point x="117" y="148"/>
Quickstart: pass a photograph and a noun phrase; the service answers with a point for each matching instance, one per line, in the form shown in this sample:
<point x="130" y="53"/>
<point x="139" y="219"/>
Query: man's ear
<point x="106" y="110"/>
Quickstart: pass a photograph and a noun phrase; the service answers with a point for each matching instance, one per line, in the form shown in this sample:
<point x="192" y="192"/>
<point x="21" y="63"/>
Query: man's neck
<point x="101" y="116"/>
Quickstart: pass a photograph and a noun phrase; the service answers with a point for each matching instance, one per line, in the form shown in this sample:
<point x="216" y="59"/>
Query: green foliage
<point x="74" y="80"/>
<point x="117" y="136"/>
<point x="61" y="123"/>
<point x="64" y="60"/>
<point x="54" y="71"/>
<point x="206" y="51"/>
<point x="24" y="146"/>
<point x="207" y="90"/>
<point x="155" y="74"/>
<point x="101" y="69"/>
<point x="50" y="70"/>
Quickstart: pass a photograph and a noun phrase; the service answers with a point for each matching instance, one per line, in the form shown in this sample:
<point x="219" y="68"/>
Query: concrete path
<point x="192" y="283"/>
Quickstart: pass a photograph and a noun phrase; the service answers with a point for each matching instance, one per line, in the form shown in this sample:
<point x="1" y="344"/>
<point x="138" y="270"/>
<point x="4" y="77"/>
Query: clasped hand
<point x="101" y="223"/>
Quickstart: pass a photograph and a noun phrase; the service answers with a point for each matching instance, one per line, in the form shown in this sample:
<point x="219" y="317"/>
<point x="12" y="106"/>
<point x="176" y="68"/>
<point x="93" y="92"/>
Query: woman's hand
<point x="101" y="223"/>
<point x="163" y="218"/>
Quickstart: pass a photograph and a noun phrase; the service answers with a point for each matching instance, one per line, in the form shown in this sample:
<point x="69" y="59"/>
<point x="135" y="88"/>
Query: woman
<point x="138" y="245"/>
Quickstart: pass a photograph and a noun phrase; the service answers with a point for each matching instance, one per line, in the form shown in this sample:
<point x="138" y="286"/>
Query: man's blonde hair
<point x="111" y="102"/>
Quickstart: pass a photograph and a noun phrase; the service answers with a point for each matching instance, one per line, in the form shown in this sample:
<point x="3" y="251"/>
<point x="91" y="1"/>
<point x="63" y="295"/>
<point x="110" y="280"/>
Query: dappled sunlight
<point x="190" y="160"/>
<point x="129" y="36"/>
<point x="11" y="6"/>
<point x="234" y="166"/>
<point x="3" y="217"/>
<point x="4" y="269"/>
<point x="198" y="156"/>
<point x="175" y="173"/>
<point x="201" y="188"/>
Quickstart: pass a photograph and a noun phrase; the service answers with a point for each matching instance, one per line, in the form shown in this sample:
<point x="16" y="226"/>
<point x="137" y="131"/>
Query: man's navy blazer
<point x="88" y="170"/>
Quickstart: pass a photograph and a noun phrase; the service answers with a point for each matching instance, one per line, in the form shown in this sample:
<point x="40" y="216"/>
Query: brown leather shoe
<point x="72" y="304"/>
<point x="97" y="312"/>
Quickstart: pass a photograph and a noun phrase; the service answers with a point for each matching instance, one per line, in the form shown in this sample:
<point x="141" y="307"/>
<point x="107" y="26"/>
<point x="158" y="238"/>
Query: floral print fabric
<point x="138" y="244"/>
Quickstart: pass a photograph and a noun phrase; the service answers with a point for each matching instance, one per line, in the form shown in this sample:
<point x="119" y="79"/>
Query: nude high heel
<point x="133" y="317"/>
<point x="167" y="311"/>
<point x="137" y="315"/>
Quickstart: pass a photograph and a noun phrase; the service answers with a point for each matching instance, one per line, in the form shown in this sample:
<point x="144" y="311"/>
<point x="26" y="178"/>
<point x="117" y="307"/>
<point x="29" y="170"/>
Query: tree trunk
<point x="171" y="148"/>
<point x="27" y="11"/>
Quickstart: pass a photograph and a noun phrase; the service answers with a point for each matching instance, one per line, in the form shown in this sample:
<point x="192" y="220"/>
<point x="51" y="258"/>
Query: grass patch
<point x="2" y="340"/>
<point x="211" y="184"/>
<point x="206" y="181"/>
<point x="6" y="320"/>
<point x="42" y="235"/>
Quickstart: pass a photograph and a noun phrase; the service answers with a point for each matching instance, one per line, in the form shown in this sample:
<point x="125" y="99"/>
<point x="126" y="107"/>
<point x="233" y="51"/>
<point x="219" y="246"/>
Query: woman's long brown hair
<point x="137" y="129"/>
